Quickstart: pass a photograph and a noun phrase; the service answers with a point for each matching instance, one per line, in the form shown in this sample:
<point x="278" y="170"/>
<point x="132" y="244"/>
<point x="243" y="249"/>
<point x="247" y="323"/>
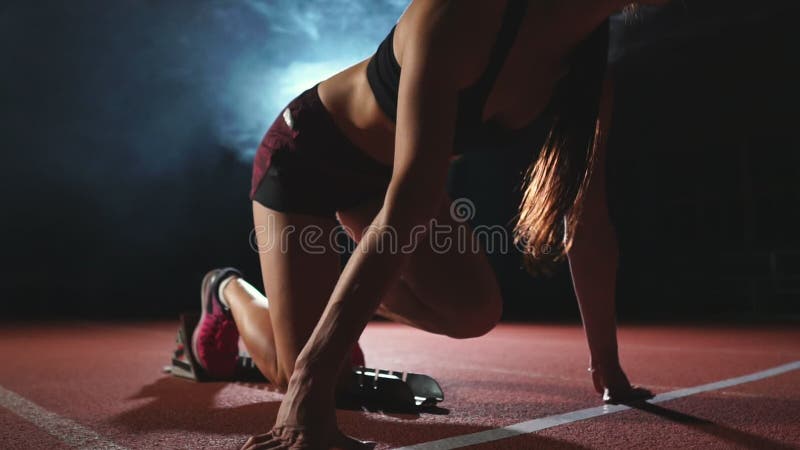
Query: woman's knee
<point x="477" y="326"/>
<point x="477" y="319"/>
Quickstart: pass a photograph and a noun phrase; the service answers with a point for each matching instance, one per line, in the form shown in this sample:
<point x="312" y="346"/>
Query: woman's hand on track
<point x="306" y="420"/>
<point x="614" y="385"/>
<point x="285" y="438"/>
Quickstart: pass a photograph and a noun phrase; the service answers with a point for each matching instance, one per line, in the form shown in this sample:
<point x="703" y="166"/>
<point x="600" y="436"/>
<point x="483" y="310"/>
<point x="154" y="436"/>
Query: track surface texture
<point x="100" y="385"/>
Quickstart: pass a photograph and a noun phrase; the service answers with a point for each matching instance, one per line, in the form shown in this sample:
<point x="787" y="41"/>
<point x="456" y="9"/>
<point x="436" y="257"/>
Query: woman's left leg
<point x="447" y="287"/>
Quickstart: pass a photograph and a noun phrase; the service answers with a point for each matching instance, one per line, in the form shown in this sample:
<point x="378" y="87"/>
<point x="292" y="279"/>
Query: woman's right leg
<point x="298" y="277"/>
<point x="444" y="288"/>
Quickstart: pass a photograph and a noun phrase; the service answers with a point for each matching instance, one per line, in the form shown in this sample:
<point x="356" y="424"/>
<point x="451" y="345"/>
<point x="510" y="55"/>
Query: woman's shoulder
<point x="459" y="32"/>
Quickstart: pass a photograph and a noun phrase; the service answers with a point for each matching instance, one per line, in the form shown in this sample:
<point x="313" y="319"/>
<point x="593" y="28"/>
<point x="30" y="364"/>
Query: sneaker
<point x="215" y="341"/>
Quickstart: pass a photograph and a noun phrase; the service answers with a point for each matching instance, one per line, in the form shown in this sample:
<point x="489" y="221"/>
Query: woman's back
<point x="536" y="59"/>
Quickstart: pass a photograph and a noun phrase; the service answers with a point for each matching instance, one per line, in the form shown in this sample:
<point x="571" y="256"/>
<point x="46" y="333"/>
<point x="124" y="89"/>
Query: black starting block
<point x="390" y="390"/>
<point x="371" y="388"/>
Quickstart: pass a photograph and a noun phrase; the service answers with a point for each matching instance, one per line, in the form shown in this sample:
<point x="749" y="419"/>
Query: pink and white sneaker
<point x="215" y="341"/>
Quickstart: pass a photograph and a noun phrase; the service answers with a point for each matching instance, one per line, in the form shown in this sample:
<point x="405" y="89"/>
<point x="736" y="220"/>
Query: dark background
<point x="128" y="128"/>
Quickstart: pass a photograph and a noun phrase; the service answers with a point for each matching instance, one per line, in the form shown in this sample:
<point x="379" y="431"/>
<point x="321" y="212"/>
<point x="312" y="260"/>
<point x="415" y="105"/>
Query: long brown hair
<point x="555" y="183"/>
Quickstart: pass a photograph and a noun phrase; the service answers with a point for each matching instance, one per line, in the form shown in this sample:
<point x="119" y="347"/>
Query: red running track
<point x="104" y="381"/>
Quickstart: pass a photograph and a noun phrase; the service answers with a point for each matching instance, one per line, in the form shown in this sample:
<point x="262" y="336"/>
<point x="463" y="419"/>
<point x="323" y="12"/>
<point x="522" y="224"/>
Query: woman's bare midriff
<point x="349" y="99"/>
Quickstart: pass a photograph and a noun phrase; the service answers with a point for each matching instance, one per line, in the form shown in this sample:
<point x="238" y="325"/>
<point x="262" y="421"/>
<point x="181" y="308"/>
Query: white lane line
<point x="543" y="423"/>
<point x="65" y="430"/>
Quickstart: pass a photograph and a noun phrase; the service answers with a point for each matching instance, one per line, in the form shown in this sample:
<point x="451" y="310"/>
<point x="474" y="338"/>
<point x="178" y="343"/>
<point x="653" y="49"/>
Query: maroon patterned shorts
<point x="305" y="164"/>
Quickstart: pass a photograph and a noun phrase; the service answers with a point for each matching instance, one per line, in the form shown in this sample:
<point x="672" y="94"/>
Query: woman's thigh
<point x="447" y="272"/>
<point x="299" y="270"/>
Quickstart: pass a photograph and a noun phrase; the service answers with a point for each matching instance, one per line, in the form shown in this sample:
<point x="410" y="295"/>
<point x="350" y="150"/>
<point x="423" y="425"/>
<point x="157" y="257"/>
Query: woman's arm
<point x="593" y="261"/>
<point x="594" y="253"/>
<point x="423" y="145"/>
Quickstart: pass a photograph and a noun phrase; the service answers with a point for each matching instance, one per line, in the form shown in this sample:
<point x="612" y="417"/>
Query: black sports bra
<point x="472" y="133"/>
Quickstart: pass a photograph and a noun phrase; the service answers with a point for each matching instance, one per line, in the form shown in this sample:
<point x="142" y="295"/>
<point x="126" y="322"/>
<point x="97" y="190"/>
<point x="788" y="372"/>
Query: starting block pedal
<point x="372" y="388"/>
<point x="391" y="390"/>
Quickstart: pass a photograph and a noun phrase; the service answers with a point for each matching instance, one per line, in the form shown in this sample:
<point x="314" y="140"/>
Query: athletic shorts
<point x="305" y="165"/>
